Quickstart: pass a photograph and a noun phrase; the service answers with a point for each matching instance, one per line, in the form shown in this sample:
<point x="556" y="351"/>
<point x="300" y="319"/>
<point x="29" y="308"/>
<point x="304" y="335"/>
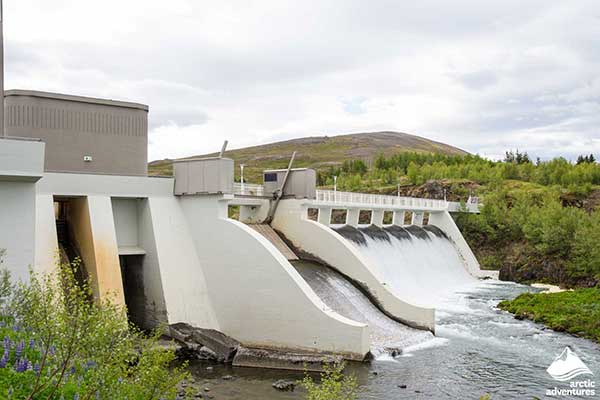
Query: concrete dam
<point x="300" y="271"/>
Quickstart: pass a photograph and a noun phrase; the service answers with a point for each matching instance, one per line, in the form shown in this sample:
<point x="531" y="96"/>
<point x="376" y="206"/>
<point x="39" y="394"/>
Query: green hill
<point x="320" y="152"/>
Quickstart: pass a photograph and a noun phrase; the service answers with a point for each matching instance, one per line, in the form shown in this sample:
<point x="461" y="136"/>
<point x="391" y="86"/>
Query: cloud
<point x="484" y="77"/>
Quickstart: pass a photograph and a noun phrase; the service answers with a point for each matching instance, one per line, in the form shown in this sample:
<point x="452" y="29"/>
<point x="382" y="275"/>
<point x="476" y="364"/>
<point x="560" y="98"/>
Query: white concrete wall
<point x="171" y="251"/>
<point x="46" y="241"/>
<point x="21" y="160"/>
<point x="126" y="223"/>
<point x="258" y="296"/>
<point x="444" y="221"/>
<point x="17" y="226"/>
<point x="328" y="245"/>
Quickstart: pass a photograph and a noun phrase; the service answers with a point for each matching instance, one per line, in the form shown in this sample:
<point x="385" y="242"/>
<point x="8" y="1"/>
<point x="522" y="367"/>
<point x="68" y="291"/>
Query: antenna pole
<point x="2" y="132"/>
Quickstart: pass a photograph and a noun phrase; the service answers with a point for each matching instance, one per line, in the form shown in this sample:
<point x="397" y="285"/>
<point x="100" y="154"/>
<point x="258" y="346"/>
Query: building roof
<point x="284" y="169"/>
<point x="77" y="99"/>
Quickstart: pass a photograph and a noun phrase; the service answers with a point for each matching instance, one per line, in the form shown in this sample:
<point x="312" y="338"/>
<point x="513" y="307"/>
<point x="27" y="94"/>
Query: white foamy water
<point x="387" y="336"/>
<point x="422" y="270"/>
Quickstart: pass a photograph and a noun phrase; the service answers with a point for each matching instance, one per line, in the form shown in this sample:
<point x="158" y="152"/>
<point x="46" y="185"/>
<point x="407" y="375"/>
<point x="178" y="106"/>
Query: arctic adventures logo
<point x="566" y="367"/>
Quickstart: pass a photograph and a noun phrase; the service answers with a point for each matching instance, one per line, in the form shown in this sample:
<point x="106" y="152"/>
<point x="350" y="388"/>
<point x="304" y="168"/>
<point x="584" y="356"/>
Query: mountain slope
<point x="321" y="151"/>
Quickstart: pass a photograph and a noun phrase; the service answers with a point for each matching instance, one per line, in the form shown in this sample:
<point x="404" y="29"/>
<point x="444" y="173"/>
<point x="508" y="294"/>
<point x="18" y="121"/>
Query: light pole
<point x="334" y="188"/>
<point x="242" y="177"/>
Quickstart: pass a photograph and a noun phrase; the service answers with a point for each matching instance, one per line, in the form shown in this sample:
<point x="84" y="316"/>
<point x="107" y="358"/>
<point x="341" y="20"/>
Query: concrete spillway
<point x="420" y="263"/>
<point x="337" y="292"/>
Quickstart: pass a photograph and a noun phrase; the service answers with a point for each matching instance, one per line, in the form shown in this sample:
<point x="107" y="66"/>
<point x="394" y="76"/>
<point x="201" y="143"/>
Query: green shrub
<point x="576" y="312"/>
<point x="59" y="344"/>
<point x="334" y="385"/>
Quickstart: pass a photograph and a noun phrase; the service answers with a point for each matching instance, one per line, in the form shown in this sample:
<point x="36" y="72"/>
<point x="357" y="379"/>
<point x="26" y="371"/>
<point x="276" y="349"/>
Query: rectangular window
<point x="270" y="177"/>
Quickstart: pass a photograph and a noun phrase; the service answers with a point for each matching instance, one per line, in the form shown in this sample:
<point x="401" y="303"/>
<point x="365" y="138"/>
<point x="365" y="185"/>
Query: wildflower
<point x="21" y="365"/>
<point x="31" y="344"/>
<point x="4" y="360"/>
<point x="52" y="350"/>
<point x="2" y="324"/>
<point x="36" y="368"/>
<point x="19" y="349"/>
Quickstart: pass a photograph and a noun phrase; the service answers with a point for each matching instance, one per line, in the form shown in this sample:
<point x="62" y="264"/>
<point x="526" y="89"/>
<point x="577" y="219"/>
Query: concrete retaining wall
<point x="444" y="221"/>
<point x="258" y="297"/>
<point x="326" y="244"/>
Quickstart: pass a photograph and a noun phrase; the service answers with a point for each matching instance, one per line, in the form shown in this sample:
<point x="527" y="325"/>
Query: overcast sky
<point x="485" y="76"/>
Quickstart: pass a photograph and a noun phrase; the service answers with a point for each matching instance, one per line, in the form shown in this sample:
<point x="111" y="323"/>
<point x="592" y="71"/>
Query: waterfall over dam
<point x="420" y="263"/>
<point x="337" y="292"/>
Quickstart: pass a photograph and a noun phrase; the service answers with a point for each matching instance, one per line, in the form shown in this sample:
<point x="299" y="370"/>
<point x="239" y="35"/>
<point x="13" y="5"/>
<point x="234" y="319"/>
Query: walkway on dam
<point x="272" y="236"/>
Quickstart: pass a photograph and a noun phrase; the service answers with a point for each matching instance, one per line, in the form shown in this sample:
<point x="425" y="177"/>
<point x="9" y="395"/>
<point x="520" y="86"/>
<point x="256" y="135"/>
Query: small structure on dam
<point x="73" y="184"/>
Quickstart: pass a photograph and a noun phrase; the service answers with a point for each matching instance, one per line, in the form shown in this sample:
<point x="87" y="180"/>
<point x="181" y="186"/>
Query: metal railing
<point x="248" y="189"/>
<point x="337" y="197"/>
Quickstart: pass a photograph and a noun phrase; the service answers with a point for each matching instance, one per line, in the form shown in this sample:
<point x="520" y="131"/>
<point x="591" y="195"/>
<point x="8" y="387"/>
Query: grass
<point x="576" y="312"/>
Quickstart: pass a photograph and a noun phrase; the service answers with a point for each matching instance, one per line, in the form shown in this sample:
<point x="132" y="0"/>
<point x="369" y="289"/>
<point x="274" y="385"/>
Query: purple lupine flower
<point x="4" y="360"/>
<point x="19" y="349"/>
<point x="16" y="328"/>
<point x="21" y="365"/>
<point x="73" y="370"/>
<point x="2" y="324"/>
<point x="52" y="350"/>
<point x="90" y="364"/>
<point x="36" y="368"/>
<point x="6" y="343"/>
<point x="31" y="344"/>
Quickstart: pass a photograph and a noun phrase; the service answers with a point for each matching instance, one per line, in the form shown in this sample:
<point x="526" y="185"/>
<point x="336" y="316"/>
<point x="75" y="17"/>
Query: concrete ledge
<point x="288" y="360"/>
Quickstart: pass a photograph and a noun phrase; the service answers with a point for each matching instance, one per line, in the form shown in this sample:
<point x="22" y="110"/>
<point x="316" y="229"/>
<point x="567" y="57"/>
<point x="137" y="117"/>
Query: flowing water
<point x="387" y="335"/>
<point x="477" y="349"/>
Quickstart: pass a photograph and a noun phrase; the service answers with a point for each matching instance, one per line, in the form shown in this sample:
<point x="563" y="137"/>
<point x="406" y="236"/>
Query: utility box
<point x="203" y="176"/>
<point x="301" y="184"/>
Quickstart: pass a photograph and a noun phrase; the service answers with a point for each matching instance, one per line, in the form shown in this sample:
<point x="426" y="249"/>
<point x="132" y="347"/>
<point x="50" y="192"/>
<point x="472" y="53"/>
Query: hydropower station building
<point x="73" y="183"/>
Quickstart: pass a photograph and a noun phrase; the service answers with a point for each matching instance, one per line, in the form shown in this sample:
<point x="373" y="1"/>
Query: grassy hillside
<point x="321" y="152"/>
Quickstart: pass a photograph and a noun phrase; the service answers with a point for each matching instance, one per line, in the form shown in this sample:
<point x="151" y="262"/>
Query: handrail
<point x="248" y="189"/>
<point x="337" y="197"/>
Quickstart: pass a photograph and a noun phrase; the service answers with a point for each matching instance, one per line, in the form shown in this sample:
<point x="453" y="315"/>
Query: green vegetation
<point x="57" y="344"/>
<point x="320" y="152"/>
<point x="334" y="385"/>
<point x="576" y="312"/>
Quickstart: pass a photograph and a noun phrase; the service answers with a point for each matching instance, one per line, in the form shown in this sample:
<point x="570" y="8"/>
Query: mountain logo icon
<point x="567" y="366"/>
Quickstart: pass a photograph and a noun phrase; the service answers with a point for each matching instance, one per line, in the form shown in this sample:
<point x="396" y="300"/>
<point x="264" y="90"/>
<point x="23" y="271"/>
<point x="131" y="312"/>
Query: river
<point x="478" y="349"/>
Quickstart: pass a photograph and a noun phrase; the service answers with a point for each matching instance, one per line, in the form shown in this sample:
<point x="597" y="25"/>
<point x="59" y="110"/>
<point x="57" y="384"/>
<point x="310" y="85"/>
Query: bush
<point x="57" y="343"/>
<point x="334" y="385"/>
<point x="576" y="312"/>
